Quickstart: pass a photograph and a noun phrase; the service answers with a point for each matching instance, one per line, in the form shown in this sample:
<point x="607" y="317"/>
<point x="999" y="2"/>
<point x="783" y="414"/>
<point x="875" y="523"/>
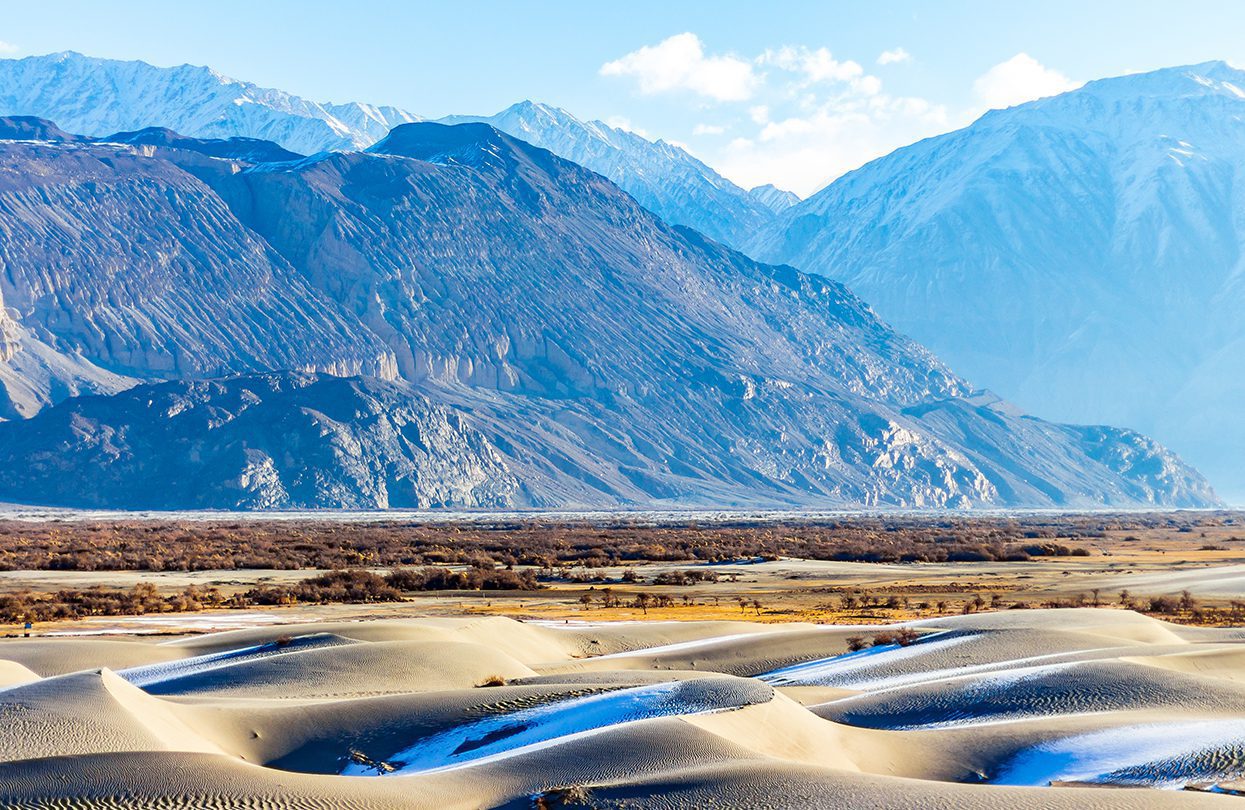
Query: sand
<point x="1021" y="709"/>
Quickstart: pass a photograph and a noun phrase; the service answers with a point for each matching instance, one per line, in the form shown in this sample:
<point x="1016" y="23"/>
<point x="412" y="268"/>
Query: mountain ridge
<point x="96" y="97"/>
<point x="663" y="177"/>
<point x="610" y="358"/>
<point x="1081" y="254"/>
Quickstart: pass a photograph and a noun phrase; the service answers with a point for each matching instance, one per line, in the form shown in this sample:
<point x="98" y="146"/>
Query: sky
<point x="791" y="93"/>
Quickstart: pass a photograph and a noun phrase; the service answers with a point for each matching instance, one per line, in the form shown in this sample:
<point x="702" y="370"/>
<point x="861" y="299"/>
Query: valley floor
<point x="92" y="577"/>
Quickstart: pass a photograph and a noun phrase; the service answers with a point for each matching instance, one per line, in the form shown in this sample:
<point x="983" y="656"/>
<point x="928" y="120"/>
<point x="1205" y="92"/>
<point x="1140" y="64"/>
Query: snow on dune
<point x="681" y="646"/>
<point x="1164" y="755"/>
<point x="154" y="674"/>
<point x="550" y="724"/>
<point x="860" y="669"/>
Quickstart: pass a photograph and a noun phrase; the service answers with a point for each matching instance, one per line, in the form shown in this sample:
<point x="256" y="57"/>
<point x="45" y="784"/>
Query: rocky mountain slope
<point x="664" y="178"/>
<point x="1080" y="254"/>
<point x="118" y="264"/>
<point x="99" y="96"/>
<point x="607" y="357"/>
<point x="262" y="442"/>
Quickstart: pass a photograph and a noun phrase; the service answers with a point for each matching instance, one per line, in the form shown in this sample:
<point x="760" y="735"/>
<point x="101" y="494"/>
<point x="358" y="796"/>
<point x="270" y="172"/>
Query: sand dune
<point x="1018" y="709"/>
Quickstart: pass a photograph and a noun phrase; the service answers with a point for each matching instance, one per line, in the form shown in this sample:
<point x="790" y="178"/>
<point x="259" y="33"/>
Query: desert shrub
<point x="1163" y="604"/>
<point x="906" y="636"/>
<point x="473" y="579"/>
<point x="688" y="577"/>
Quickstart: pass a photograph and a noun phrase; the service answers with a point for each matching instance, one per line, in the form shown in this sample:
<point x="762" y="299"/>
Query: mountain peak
<point x="470" y="144"/>
<point x="97" y="97"/>
<point x="529" y="107"/>
<point x="252" y="150"/>
<point x="425" y="139"/>
<point x="32" y="128"/>
<point x="661" y="176"/>
<point x="774" y="198"/>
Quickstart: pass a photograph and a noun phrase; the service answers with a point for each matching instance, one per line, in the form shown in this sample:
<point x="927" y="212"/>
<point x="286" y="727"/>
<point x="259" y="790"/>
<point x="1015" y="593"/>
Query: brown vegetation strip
<point x="218" y="546"/>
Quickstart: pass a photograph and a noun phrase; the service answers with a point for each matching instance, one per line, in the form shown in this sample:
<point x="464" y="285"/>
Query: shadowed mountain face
<point x="1080" y="254"/>
<point x="251" y="150"/>
<point x="606" y="357"/>
<point x="664" y="178"/>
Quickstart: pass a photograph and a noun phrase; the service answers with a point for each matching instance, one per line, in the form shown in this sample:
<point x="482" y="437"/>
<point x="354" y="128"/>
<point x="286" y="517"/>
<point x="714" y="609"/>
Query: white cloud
<point x="1021" y="78"/>
<point x="894" y="57"/>
<point x="7" y="47"/>
<point x="680" y="63"/>
<point x="810" y="117"/>
<point x="623" y="123"/>
<point x="805" y="152"/>
<point x="816" y="65"/>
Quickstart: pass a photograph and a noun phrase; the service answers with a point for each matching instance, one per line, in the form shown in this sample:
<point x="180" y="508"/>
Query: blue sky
<point x="789" y="92"/>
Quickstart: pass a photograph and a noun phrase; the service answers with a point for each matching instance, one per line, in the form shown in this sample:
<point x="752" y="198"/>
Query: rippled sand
<point x="1020" y="709"/>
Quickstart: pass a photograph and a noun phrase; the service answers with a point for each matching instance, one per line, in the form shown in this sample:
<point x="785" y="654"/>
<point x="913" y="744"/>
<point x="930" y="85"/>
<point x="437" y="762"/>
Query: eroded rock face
<point x="120" y="257"/>
<point x="603" y="356"/>
<point x="262" y="442"/>
<point x="8" y="335"/>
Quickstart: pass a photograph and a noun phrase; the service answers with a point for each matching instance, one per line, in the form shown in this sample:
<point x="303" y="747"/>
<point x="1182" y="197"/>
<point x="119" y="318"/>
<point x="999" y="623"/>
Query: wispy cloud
<point x="894" y="57"/>
<point x="7" y="48"/>
<point x="804" y="152"/>
<point x="1021" y="78"/>
<point x="814" y="66"/>
<point x="800" y="116"/>
<point x="680" y="63"/>
<point x="623" y="123"/>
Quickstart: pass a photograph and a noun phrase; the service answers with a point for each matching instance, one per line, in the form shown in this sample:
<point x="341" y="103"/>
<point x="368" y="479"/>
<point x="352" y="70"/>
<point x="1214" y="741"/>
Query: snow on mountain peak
<point x="663" y="177"/>
<point x="96" y="96"/>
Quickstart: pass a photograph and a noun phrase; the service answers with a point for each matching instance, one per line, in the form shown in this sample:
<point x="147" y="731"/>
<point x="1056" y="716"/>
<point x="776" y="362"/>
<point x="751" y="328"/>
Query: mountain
<point x="264" y="442"/>
<point x="250" y="150"/>
<point x="1081" y="254"/>
<point x="120" y="264"/>
<point x="664" y="178"/>
<point x="101" y="96"/>
<point x="774" y="198"/>
<point x="607" y="357"/>
<point x="97" y="97"/>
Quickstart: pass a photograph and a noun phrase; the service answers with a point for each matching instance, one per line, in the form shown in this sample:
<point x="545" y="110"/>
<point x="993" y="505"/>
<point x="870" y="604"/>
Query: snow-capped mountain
<point x="97" y="97"/>
<point x="1081" y="254"/>
<point x="774" y="198"/>
<point x="549" y="331"/>
<point x="93" y="96"/>
<point x="664" y="178"/>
